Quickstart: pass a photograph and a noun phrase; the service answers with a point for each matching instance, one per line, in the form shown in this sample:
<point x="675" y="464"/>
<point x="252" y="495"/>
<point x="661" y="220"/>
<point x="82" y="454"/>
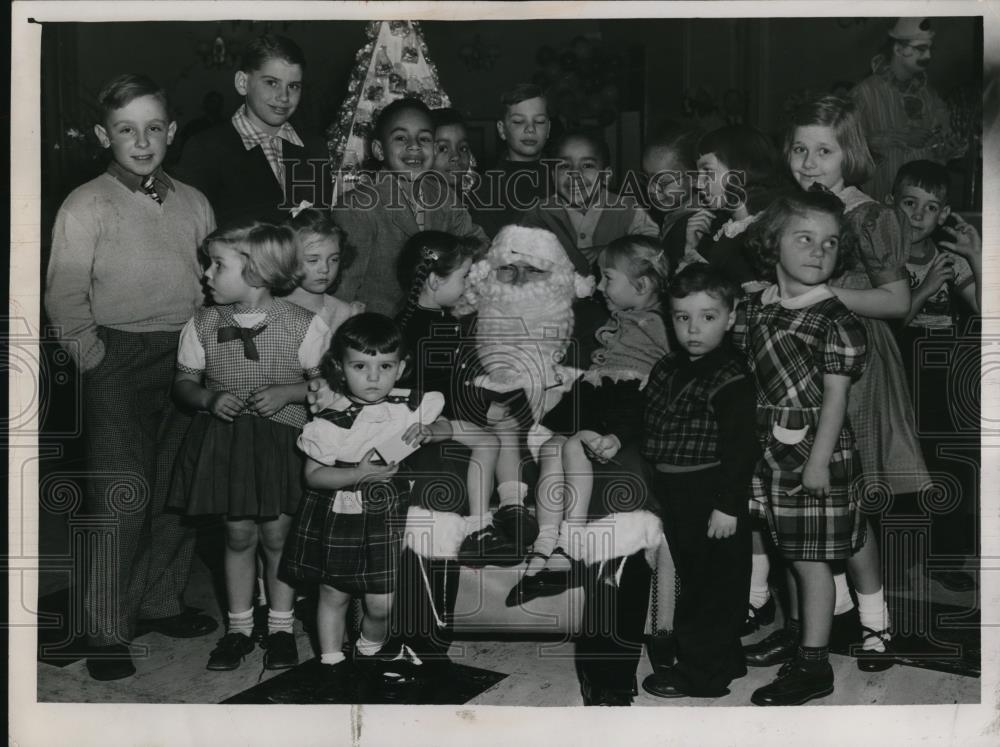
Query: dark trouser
<point x="136" y="557"/>
<point x="943" y="371"/>
<point x="417" y="610"/>
<point x="714" y="579"/>
<point x="614" y="619"/>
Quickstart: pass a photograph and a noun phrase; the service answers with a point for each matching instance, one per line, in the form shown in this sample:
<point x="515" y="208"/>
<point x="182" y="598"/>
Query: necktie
<point x="149" y="187"/>
<point x="228" y="334"/>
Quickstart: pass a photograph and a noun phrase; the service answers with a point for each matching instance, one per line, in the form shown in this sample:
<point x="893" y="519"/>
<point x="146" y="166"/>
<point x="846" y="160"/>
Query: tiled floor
<point x="538" y="674"/>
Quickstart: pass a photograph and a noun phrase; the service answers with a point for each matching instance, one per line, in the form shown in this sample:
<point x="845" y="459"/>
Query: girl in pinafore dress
<point x="348" y="533"/>
<point x="243" y="364"/>
<point x="805" y="348"/>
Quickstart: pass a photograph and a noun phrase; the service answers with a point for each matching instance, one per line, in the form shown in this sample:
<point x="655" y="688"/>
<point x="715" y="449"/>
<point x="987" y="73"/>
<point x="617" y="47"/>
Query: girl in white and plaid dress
<point x="826" y="149"/>
<point x="348" y="533"/>
<point x="804" y="348"/>
<point x="243" y="364"/>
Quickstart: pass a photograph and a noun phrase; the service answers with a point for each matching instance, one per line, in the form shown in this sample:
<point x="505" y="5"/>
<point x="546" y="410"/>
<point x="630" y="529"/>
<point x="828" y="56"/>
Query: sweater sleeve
<point x="462" y="225"/>
<point x="735" y="407"/>
<point x="361" y="232"/>
<point x="69" y="284"/>
<point x="642" y="224"/>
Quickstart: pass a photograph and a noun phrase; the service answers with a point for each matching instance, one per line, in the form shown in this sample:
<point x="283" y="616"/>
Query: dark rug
<point x="309" y="683"/>
<point x="934" y="636"/>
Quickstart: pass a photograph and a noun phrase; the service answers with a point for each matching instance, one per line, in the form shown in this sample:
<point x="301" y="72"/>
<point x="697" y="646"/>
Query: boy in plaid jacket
<point x="699" y="433"/>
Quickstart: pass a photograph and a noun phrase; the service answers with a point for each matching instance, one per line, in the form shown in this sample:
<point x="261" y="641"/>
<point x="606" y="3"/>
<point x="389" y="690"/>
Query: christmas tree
<point x="393" y="64"/>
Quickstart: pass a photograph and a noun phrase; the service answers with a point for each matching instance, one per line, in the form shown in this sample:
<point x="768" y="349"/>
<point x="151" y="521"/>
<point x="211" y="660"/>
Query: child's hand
<point x="225" y="406"/>
<point x="697" y="226"/>
<point x="721" y="525"/>
<point x="496" y="414"/>
<point x="320" y="395"/>
<point x="941" y="271"/>
<point x="604" y="447"/>
<point x="967" y="243"/>
<point x="417" y="434"/>
<point x="267" y="400"/>
<point x="372" y="472"/>
<point x="816" y="480"/>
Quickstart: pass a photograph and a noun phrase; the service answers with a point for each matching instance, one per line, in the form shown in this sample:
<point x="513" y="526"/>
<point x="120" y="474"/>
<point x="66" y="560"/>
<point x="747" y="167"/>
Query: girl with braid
<point x="432" y="269"/>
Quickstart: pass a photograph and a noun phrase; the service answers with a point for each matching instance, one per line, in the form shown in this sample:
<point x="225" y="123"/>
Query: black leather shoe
<point x="796" y="684"/>
<point x="229" y="652"/>
<point x="188" y="624"/>
<point x="876" y="661"/>
<point x="280" y="651"/>
<point x="106" y="663"/>
<point x="758" y="617"/>
<point x="955" y="580"/>
<point x="673" y="684"/>
<point x="780" y="646"/>
<point x="546" y="583"/>
<point x="598" y="695"/>
<point x="662" y="650"/>
<point x="505" y="542"/>
<point x="517" y="523"/>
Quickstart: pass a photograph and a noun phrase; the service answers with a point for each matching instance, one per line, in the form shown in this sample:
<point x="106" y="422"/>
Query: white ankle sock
<point x="844" y="602"/>
<point x="512" y="493"/>
<point x="874" y="615"/>
<point x="280" y="622"/>
<point x="759" y="591"/>
<point x="368" y="648"/>
<point x="545" y="543"/>
<point x="241" y="622"/>
<point x="335" y="658"/>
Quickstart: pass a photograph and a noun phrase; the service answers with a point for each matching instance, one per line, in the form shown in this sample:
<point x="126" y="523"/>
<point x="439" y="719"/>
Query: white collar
<point x="812" y="296"/>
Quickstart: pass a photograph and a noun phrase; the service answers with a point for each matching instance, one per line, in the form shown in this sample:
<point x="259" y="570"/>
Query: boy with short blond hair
<point x="122" y="280"/>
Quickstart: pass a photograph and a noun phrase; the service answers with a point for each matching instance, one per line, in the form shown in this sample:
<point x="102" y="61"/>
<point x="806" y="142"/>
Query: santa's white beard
<point x="522" y="333"/>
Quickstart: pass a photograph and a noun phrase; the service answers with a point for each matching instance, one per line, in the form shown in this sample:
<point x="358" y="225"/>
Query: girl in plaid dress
<point x="826" y="149"/>
<point x="348" y="533"/>
<point x="804" y="347"/>
<point x="242" y="363"/>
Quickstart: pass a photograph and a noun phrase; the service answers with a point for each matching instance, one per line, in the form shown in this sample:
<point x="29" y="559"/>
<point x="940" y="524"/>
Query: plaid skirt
<point x="802" y="526"/>
<point x="357" y="553"/>
<point x="250" y="468"/>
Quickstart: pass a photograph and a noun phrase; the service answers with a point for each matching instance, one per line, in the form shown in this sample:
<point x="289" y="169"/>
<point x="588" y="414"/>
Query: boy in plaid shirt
<point x="700" y="435"/>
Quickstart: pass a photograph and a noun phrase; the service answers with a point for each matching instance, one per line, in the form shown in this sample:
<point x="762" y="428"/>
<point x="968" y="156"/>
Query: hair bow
<point x="300" y="207"/>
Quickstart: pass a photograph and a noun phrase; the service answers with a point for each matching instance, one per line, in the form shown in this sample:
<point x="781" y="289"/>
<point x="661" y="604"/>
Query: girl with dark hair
<point x="348" y="533"/>
<point x="804" y="348"/>
<point x="432" y="268"/>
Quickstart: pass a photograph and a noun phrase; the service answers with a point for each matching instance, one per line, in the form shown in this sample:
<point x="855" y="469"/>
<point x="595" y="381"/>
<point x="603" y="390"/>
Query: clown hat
<point x="912" y="29"/>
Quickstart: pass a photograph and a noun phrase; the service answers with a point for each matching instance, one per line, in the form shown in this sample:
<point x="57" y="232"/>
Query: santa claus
<point x="522" y="293"/>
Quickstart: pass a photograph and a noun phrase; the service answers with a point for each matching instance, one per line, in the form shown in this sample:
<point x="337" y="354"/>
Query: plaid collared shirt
<point x="681" y="426"/>
<point x="161" y="181"/>
<point x="271" y="144"/>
